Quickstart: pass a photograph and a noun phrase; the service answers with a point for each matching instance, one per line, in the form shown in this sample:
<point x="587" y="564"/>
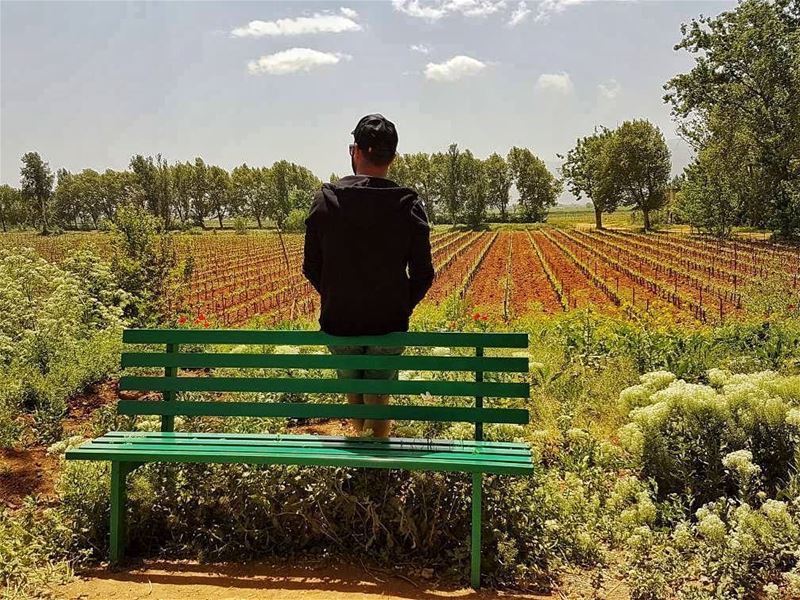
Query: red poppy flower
<point x="205" y="324"/>
<point x="476" y="316"/>
<point x="201" y="317"/>
<point x="182" y="319"/>
<point x="485" y="318"/>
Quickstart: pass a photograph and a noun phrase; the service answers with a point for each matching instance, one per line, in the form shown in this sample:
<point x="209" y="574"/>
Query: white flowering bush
<point x="60" y="329"/>
<point x="727" y="551"/>
<point x="739" y="435"/>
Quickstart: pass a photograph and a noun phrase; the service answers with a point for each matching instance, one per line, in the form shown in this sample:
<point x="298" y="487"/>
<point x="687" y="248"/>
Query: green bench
<point x="129" y="449"/>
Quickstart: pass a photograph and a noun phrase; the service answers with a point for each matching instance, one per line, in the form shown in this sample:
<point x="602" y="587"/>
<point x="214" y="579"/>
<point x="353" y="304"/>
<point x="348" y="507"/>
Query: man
<point x="368" y="254"/>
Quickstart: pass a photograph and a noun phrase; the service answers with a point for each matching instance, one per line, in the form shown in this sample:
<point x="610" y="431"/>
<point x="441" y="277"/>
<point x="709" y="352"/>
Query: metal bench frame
<point x="129" y="450"/>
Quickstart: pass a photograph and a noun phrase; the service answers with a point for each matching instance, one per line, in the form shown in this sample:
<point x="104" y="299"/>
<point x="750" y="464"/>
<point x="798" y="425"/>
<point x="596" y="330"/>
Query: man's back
<point x="361" y="234"/>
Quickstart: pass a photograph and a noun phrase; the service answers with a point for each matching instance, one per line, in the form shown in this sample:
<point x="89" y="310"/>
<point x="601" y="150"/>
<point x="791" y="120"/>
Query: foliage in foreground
<point x="601" y="497"/>
<point x="60" y="331"/>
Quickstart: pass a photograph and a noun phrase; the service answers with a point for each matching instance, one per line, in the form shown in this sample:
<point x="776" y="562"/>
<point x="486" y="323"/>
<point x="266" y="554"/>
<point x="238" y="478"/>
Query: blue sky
<point x="90" y="84"/>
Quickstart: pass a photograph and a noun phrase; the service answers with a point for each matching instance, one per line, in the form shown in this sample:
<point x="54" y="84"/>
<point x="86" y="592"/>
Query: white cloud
<point x="609" y="89"/>
<point x="454" y="69"/>
<point x="433" y="10"/>
<point x="317" y="23"/>
<point x="557" y="82"/>
<point x="348" y="12"/>
<point x="520" y="14"/>
<point x="293" y="60"/>
<point x="551" y="7"/>
<point x="421" y="48"/>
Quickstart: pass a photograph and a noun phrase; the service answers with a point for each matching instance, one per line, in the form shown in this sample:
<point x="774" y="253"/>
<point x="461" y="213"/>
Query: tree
<point x="400" y="171"/>
<point x="424" y="174"/>
<point x="538" y="188"/>
<point x="218" y="182"/>
<point x="199" y="193"/>
<point x="182" y="175"/>
<point x="498" y="184"/>
<point x="639" y="167"/>
<point x="36" y="185"/>
<point x="283" y="178"/>
<point x="742" y="96"/>
<point x="705" y="200"/>
<point x="333" y="178"/>
<point x="10" y="206"/>
<point x="117" y="189"/>
<point x="154" y="186"/>
<point x="473" y="192"/>
<point x="65" y="199"/>
<point x="587" y="172"/>
<point x="452" y="183"/>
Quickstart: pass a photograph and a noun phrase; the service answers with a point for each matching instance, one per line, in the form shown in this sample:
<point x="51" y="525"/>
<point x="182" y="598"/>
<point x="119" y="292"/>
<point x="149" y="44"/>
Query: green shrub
<point x="296" y="221"/>
<point x="36" y="551"/>
<point x="240" y="225"/>
<point x="144" y="264"/>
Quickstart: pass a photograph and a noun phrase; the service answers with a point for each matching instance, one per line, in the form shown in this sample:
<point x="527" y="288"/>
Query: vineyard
<point x="231" y="279"/>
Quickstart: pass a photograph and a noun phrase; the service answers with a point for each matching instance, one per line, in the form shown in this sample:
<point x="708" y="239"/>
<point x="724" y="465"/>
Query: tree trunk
<point x="219" y="216"/>
<point x="646" y="216"/>
<point x="44" y="216"/>
<point x="598" y="218"/>
<point x="258" y="220"/>
<point x="3" y="220"/>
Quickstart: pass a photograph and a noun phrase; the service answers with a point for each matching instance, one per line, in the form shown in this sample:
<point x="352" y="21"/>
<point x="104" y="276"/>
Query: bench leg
<point x="475" y="574"/>
<point x="119" y="473"/>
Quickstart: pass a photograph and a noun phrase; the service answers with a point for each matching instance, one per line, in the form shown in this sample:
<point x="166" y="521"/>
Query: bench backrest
<point x="172" y="360"/>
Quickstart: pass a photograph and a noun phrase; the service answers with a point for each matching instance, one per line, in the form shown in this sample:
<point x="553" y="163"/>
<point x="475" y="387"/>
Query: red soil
<point x="627" y="289"/>
<point x="489" y="286"/>
<point x="530" y="283"/>
<point x="578" y="288"/>
<point x="449" y="279"/>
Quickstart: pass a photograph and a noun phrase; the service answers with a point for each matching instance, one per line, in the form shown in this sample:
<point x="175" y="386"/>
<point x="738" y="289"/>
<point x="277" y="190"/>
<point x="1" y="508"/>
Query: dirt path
<point x="261" y="581"/>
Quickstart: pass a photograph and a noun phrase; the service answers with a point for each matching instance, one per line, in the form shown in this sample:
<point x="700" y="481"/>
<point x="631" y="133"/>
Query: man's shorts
<point x="367" y="373"/>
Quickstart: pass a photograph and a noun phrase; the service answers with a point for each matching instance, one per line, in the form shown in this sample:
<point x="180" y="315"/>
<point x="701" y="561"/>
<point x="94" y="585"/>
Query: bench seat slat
<point x="325" y="411"/>
<point x="196" y="360"/>
<point x="413" y="460"/>
<point x="328" y="385"/>
<point x="318" y="338"/>
<point x="355" y="450"/>
<point x="303" y="442"/>
<point x="312" y="437"/>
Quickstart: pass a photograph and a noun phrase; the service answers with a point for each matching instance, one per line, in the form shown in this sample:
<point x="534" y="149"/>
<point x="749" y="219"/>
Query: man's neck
<point x="373" y="173"/>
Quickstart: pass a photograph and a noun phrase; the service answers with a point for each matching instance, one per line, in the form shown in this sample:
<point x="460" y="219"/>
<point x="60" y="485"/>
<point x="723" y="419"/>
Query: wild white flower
<point x="718" y="377"/>
<point x="635" y="396"/>
<point x="631" y="439"/>
<point x="287" y="350"/>
<point x="657" y="380"/>
<point x="712" y="528"/>
<point x="61" y="447"/>
<point x="652" y="416"/>
<point x="777" y="512"/>
<point x="793" y="417"/>
<point x="741" y="463"/>
<point x="577" y="435"/>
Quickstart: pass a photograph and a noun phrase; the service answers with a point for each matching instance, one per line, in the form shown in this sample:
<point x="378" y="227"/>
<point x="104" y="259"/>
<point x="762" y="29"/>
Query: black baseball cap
<point x="377" y="132"/>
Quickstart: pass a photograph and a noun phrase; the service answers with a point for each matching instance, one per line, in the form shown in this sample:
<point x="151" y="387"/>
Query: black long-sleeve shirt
<point x="368" y="254"/>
